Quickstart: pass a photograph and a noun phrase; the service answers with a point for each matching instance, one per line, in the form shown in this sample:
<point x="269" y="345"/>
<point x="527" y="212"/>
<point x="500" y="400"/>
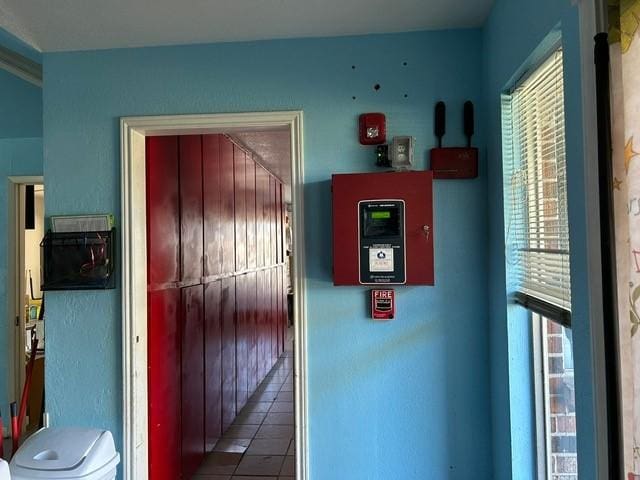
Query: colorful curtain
<point x="624" y="17"/>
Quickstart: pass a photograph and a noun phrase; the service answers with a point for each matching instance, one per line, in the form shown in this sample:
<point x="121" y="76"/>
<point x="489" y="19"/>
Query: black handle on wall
<point x="608" y="257"/>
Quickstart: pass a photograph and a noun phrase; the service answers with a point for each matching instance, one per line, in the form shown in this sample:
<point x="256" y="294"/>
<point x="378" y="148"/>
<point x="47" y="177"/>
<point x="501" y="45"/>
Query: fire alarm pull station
<point x="383" y="304"/>
<point x="383" y="228"/>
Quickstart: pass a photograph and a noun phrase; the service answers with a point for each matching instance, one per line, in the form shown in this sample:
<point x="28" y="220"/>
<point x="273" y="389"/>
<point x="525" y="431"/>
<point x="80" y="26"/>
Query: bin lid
<point x="4" y="470"/>
<point x="65" y="449"/>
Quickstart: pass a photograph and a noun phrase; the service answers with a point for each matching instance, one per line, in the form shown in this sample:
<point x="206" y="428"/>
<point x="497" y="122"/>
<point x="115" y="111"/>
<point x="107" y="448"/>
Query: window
<point x="537" y="254"/>
<point x="537" y="235"/>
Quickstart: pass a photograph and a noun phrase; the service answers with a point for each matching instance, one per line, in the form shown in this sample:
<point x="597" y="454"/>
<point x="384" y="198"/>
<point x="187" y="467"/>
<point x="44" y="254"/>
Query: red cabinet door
<point x="261" y="322"/>
<point x="250" y="183"/>
<point x="252" y="332"/>
<point x="260" y="236"/>
<point x="228" y="352"/>
<point x="242" y="360"/>
<point x="213" y="363"/>
<point x="239" y="166"/>
<point x="192" y="409"/>
<point x="191" y="208"/>
<point x="227" y="216"/>
<point x="163" y="330"/>
<point x="211" y="204"/>
<point x="163" y="215"/>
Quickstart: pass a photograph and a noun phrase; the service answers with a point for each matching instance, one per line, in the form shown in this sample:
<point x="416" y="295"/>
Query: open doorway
<point x="244" y="282"/>
<point x="26" y="301"/>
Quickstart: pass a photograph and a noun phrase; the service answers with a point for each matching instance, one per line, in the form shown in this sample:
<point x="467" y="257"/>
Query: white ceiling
<point x="274" y="149"/>
<point x="55" y="25"/>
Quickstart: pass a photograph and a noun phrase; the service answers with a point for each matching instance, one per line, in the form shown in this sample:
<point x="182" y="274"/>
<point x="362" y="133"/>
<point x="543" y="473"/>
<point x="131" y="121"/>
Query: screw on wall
<point x="376" y="87"/>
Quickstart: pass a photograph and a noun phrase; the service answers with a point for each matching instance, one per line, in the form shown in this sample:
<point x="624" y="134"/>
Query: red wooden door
<point x="213" y="363"/>
<point x="228" y="352"/>
<point x="252" y="332"/>
<point x="242" y="365"/>
<point x="163" y="331"/>
<point x="250" y="185"/>
<point x="163" y="210"/>
<point x="163" y="320"/>
<point x="191" y="219"/>
<point x="260" y="220"/>
<point x="239" y="166"/>
<point x="192" y="371"/>
<point x="211" y="204"/>
<point x="227" y="216"/>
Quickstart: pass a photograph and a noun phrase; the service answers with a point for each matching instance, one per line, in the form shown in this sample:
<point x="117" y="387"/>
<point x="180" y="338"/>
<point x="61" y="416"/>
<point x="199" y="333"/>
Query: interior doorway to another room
<point x="222" y="366"/>
<point x="26" y="301"/>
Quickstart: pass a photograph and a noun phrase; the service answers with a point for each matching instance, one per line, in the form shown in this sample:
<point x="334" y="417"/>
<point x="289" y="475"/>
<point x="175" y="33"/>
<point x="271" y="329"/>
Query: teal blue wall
<point x="408" y="399"/>
<point x="20" y="154"/>
<point x="511" y="40"/>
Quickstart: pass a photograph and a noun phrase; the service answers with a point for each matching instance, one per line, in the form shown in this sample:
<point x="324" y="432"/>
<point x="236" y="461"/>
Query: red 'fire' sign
<point x="383" y="306"/>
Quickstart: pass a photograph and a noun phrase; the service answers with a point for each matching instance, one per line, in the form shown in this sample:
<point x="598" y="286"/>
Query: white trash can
<point x="66" y="453"/>
<point x="4" y="468"/>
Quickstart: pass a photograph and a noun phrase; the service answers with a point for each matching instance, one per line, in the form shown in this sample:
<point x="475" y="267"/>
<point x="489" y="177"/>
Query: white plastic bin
<point x="66" y="453"/>
<point x="4" y="468"/>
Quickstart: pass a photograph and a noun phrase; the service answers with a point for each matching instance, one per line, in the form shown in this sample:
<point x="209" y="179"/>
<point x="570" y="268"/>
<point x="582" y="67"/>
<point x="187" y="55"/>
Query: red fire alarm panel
<point x="451" y="163"/>
<point x="383" y="304"/>
<point x="372" y="128"/>
<point x="383" y="228"/>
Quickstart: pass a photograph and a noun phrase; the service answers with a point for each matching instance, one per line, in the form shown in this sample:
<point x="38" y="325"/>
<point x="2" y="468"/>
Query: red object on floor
<point x="27" y="385"/>
<point x="15" y="432"/>
<point x="415" y="189"/>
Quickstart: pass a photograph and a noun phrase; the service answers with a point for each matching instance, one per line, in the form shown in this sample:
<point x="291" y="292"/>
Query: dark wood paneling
<point x="242" y="360"/>
<point x="251" y="213"/>
<point x="239" y="166"/>
<point x="163" y="210"/>
<point x="211" y="203"/>
<point x="192" y="372"/>
<point x="213" y="363"/>
<point x="163" y="331"/>
<point x="228" y="351"/>
<point x="191" y="245"/>
<point x="227" y="217"/>
<point x="253" y="332"/>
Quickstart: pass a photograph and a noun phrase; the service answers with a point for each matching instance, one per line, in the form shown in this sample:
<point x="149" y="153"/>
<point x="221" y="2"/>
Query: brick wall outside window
<point x="561" y="417"/>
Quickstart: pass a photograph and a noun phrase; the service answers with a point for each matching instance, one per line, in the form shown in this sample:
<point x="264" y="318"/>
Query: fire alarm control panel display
<point x="381" y="241"/>
<point x="383" y="228"/>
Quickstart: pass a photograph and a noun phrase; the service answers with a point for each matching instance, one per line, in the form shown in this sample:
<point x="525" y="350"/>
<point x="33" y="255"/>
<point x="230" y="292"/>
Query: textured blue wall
<point x="408" y="399"/>
<point x="20" y="154"/>
<point x="511" y="38"/>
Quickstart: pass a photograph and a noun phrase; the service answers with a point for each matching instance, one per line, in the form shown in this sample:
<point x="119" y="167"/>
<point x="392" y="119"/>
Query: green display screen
<point x="379" y="215"/>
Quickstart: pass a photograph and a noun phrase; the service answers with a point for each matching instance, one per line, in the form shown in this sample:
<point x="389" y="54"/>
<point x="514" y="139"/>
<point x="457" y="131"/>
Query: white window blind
<point x="537" y="227"/>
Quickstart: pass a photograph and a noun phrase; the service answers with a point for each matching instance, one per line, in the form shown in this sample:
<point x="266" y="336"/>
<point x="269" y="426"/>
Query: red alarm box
<point x="383" y="304"/>
<point x="454" y="163"/>
<point x="373" y="129"/>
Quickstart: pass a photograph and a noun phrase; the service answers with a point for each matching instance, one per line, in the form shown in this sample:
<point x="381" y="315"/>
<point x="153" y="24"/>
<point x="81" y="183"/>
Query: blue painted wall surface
<point x="20" y="154"/>
<point x="514" y="30"/>
<point x="408" y="399"/>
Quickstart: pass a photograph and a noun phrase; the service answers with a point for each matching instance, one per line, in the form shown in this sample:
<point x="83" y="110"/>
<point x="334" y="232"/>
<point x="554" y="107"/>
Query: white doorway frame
<point x="16" y="285"/>
<point x="134" y="268"/>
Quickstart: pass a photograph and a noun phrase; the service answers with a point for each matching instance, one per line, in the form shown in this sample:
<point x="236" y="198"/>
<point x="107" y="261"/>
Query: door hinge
<point x="17" y="320"/>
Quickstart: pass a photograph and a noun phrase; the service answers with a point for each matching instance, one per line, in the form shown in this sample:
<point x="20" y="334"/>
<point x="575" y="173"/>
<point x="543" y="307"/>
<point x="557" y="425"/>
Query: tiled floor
<point x="259" y="445"/>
